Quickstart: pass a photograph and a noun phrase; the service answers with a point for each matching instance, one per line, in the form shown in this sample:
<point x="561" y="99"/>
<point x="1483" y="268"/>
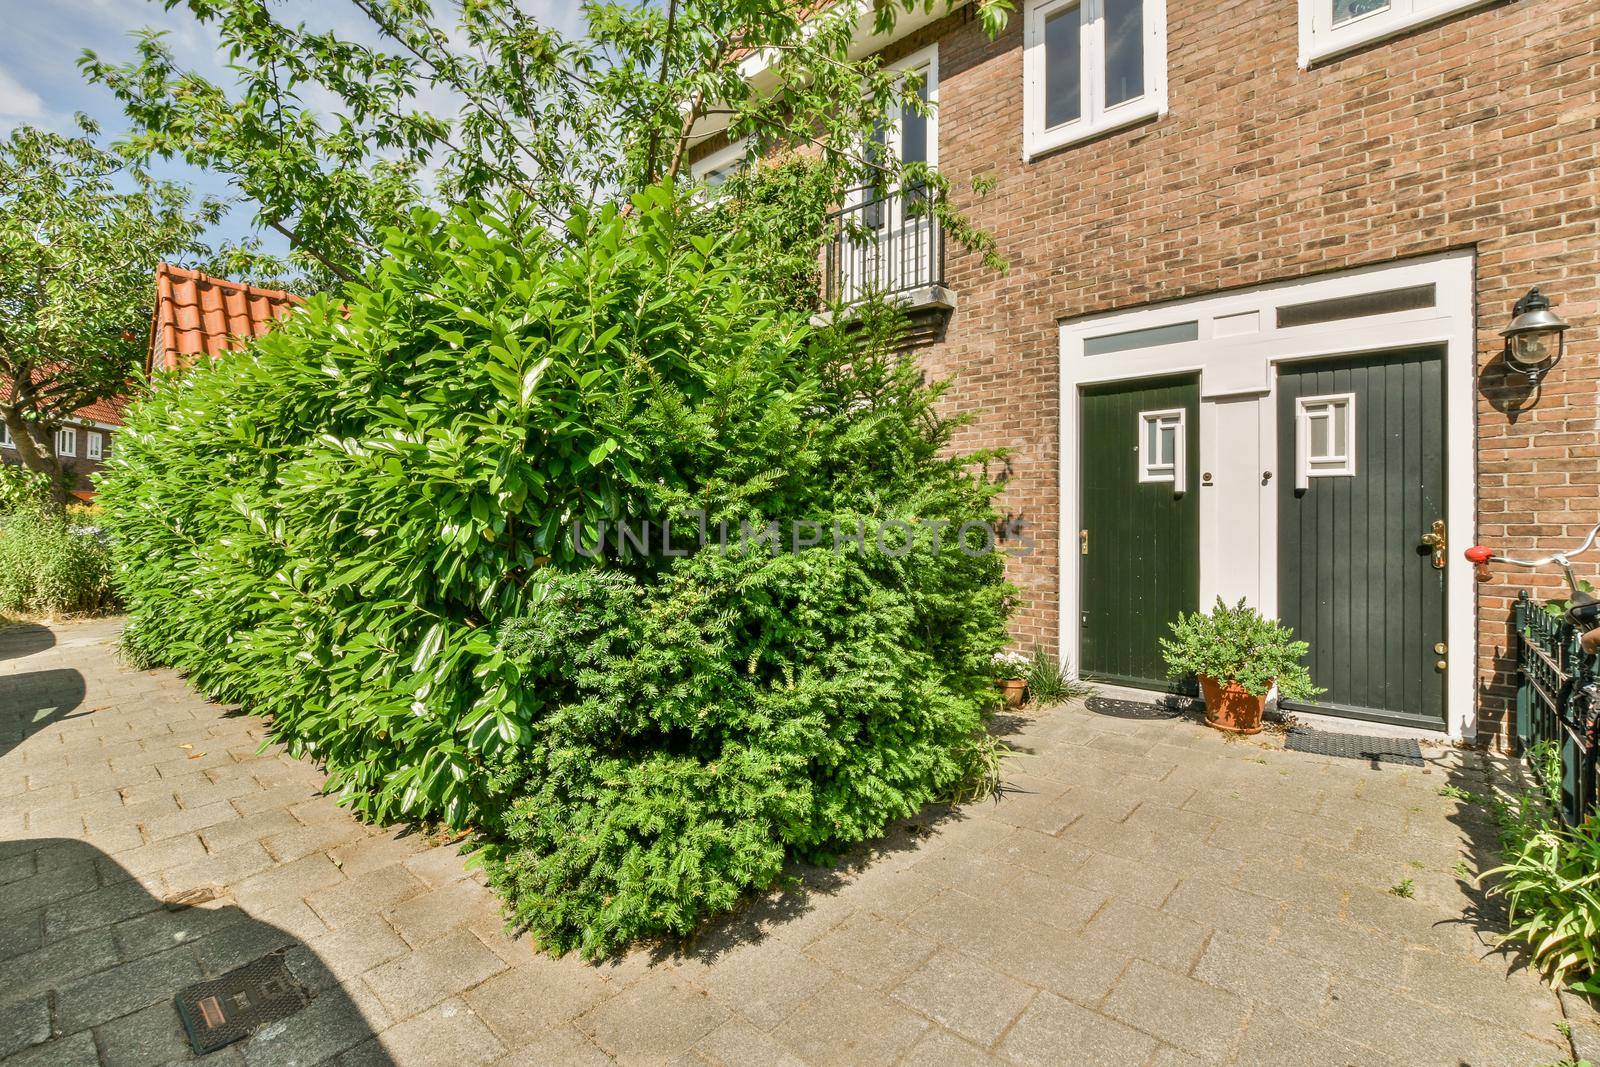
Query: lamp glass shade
<point x="1534" y="348"/>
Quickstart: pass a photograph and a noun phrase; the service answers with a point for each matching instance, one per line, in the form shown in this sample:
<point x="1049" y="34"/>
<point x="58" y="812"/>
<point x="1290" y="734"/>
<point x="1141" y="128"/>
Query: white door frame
<point x="1238" y="348"/>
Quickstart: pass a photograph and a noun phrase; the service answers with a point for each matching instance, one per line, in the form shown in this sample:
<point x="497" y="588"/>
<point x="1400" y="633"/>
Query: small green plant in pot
<point x="1011" y="676"/>
<point x="1238" y="656"/>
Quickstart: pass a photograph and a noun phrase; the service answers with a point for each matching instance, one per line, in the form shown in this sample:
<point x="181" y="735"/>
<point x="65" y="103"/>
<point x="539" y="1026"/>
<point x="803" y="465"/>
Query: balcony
<point x="887" y="245"/>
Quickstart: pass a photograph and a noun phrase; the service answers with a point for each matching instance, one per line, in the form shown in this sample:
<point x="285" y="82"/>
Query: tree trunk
<point x="36" y="448"/>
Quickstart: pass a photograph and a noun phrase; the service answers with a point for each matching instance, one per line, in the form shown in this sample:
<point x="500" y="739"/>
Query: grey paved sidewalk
<point x="1145" y="893"/>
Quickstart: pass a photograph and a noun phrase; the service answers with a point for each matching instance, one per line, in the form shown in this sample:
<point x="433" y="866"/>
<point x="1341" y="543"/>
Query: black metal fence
<point x="883" y="244"/>
<point x="1554" y="705"/>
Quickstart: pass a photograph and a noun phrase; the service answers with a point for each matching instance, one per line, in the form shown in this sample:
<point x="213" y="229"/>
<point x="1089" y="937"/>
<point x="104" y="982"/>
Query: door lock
<point x="1437" y="541"/>
<point x="1083" y="542"/>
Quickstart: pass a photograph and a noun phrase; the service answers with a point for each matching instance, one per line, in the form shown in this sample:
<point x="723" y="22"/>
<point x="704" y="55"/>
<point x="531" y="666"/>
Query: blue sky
<point x="41" y="40"/>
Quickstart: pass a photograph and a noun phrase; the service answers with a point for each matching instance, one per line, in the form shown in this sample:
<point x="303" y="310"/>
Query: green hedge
<point x="359" y="527"/>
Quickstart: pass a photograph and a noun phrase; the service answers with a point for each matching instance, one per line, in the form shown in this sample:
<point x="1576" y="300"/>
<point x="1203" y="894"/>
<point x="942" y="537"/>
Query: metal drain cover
<point x="1132" y="709"/>
<point x="1401" y="750"/>
<point x="221" y="1011"/>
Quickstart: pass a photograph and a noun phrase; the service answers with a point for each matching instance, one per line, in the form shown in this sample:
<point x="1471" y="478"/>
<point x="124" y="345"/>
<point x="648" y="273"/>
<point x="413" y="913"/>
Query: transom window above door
<point x="1090" y="66"/>
<point x="1161" y="448"/>
<point x="1329" y="27"/>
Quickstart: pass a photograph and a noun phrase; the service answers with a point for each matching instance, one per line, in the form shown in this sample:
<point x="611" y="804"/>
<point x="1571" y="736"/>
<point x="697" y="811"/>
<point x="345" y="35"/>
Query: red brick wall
<point x="1482" y="131"/>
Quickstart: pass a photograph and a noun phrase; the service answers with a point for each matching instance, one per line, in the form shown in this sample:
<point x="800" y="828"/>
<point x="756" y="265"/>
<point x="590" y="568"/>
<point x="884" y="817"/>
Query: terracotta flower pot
<point x="1232" y="708"/>
<point x="1011" y="689"/>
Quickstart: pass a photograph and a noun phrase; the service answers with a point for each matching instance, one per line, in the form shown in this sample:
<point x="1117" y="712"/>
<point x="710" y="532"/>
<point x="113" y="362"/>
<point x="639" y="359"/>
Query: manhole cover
<point x="1402" y="750"/>
<point x="222" y="1010"/>
<point x="1132" y="709"/>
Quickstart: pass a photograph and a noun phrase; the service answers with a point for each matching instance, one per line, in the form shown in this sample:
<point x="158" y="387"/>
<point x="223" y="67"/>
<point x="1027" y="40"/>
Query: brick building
<point x="1261" y="252"/>
<point x="83" y="443"/>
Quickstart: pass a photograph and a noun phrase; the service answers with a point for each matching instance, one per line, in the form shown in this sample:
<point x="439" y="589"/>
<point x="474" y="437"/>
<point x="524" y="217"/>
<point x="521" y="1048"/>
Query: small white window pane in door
<point x="1161" y="456"/>
<point x="1324" y="437"/>
<point x="1124" y="28"/>
<point x="1063" y="67"/>
<point x="1349" y="10"/>
<point x="1319" y="433"/>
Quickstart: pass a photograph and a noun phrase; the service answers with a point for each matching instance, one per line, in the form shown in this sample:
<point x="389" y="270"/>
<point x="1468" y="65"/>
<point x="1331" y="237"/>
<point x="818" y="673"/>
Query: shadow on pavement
<point x="25" y="639"/>
<point x="34" y="701"/>
<point x="90" y="963"/>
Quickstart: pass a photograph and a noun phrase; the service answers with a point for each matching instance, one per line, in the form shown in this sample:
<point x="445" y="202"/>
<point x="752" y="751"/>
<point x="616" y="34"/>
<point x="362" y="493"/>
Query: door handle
<point x="1438" y="542"/>
<point x="1083" y="542"/>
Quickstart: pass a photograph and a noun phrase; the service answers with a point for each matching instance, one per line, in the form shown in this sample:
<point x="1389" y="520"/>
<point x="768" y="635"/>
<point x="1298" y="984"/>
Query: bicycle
<point x="1583" y="608"/>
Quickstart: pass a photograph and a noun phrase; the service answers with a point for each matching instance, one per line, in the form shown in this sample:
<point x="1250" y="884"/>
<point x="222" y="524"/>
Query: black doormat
<point x="1132" y="709"/>
<point x="222" y="1010"/>
<point x="1401" y="750"/>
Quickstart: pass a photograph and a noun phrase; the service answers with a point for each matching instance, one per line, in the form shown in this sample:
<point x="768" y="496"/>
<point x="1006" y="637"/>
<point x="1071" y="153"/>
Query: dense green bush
<point x="51" y="567"/>
<point x="359" y="526"/>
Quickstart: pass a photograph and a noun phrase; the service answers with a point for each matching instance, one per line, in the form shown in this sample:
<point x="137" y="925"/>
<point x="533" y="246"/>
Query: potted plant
<point x="1011" y="676"/>
<point x="1239" y="656"/>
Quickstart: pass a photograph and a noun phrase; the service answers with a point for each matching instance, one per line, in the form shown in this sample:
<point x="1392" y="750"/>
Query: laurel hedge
<point x="361" y="527"/>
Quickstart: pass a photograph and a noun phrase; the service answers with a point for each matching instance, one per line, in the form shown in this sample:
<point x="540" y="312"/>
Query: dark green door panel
<point x="1353" y="578"/>
<point x="1142" y="567"/>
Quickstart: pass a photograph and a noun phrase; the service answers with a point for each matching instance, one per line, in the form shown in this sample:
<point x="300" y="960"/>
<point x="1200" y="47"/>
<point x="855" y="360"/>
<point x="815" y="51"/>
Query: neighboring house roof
<point x="107" y="411"/>
<point x="198" y="315"/>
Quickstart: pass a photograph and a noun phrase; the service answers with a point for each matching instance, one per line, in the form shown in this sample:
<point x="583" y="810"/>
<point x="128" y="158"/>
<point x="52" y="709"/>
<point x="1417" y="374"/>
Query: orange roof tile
<point x="197" y="315"/>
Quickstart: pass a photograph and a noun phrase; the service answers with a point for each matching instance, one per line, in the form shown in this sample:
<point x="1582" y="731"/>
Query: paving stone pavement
<point x="1144" y="892"/>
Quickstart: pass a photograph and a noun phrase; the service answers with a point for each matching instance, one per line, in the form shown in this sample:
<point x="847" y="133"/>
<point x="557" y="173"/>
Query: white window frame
<point x="93" y="445"/>
<point x="6" y="440"/>
<point x="1308" y="409"/>
<point x="927" y="60"/>
<point x="1321" y="39"/>
<point x="67" y="441"/>
<point x="1094" y="118"/>
<point x="720" y="159"/>
<point x="1151" y="469"/>
<point x="883" y="271"/>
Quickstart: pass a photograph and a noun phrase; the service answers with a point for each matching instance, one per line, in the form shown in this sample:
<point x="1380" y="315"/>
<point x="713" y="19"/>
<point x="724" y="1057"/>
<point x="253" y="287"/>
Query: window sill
<point x="1318" y="47"/>
<point x="1043" y="144"/>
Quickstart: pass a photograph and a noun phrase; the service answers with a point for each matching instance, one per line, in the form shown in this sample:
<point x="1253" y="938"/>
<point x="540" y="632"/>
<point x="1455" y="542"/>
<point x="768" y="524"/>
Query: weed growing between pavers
<point x="361" y="527"/>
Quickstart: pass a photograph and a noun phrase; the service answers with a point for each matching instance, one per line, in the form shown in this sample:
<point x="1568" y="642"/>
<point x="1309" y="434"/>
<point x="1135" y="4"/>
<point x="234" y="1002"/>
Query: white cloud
<point x="17" y="101"/>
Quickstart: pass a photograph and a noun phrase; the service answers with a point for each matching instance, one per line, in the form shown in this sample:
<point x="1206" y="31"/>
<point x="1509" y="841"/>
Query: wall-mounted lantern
<point x="1535" y="338"/>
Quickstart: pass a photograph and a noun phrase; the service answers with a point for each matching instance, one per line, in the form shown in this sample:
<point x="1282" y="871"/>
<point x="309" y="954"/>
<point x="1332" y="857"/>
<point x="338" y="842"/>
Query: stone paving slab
<point x="1143" y="892"/>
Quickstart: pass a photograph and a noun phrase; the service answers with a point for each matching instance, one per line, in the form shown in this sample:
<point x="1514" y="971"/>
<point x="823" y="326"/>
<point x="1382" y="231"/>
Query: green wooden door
<point x="1353" y="577"/>
<point x="1139" y="549"/>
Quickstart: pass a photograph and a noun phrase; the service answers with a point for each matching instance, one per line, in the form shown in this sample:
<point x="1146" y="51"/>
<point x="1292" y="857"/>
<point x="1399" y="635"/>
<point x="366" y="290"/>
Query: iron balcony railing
<point x="1553" y="706"/>
<point x="884" y="244"/>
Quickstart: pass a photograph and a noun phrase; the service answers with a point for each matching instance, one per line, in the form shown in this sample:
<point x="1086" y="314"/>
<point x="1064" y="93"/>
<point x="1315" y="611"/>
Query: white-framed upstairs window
<point x="1325" y="436"/>
<point x="94" y="445"/>
<point x="1329" y="27"/>
<point x="1090" y="66"/>
<point x="66" y="441"/>
<point x="889" y="240"/>
<point x="1163" y="455"/>
<point x="719" y="166"/>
